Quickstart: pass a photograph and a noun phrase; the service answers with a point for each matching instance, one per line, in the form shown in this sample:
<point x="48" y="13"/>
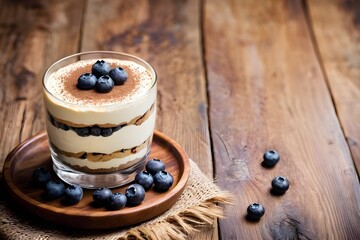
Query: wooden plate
<point x="34" y="152"/>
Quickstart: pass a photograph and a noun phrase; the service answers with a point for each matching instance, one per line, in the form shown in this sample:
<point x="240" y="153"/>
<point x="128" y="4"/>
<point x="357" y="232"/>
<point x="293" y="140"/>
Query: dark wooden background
<point x="236" y="77"/>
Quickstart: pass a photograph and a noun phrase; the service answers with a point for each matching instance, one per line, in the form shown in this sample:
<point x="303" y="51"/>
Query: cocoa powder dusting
<point x="118" y="93"/>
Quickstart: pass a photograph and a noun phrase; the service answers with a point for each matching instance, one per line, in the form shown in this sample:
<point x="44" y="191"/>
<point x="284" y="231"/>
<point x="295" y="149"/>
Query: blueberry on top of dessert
<point x="102" y="78"/>
<point x="100" y="68"/>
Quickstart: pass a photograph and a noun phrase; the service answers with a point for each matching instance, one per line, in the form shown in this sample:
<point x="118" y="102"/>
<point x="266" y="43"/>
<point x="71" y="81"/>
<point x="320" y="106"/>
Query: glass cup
<point x="99" y="139"/>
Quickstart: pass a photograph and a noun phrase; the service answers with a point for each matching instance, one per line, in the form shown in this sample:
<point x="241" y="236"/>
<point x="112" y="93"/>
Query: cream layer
<point x="125" y="138"/>
<point x="90" y="115"/>
<point x="113" y="163"/>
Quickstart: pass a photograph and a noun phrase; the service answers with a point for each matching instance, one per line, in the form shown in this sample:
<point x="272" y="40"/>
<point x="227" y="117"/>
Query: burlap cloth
<point x="197" y="206"/>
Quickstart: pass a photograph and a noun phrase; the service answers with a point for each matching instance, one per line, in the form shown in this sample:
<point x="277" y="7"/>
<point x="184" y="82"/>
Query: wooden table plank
<point x="336" y="26"/>
<point x="33" y="34"/>
<point x="167" y="35"/>
<point x="267" y="91"/>
<point x="266" y="88"/>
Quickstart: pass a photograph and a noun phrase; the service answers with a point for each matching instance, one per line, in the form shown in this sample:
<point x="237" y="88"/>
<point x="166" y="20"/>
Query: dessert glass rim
<point x="80" y="106"/>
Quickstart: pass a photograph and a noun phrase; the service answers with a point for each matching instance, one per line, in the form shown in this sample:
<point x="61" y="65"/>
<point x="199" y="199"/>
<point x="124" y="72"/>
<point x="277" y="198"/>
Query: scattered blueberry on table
<point x="271" y="158"/>
<point x="279" y="185"/>
<point x="255" y="211"/>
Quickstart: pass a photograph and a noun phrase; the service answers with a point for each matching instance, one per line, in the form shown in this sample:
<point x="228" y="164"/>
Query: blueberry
<point x="82" y="132"/>
<point x="86" y="81"/>
<point x="73" y="194"/>
<point x="255" y="211"/>
<point x="135" y="194"/>
<point x="271" y="158"/>
<point x="154" y="165"/>
<point x="117" y="128"/>
<point x="54" y="189"/>
<point x="57" y="124"/>
<point x="163" y="181"/>
<point x="60" y="125"/>
<point x="105" y="132"/>
<point x="41" y="176"/>
<point x="119" y="75"/>
<point x="145" y="179"/>
<point x="279" y="185"/>
<point x="64" y="127"/>
<point x="104" y="84"/>
<point x="100" y="68"/>
<point x="102" y="195"/>
<point x="95" y="131"/>
<point x="117" y="201"/>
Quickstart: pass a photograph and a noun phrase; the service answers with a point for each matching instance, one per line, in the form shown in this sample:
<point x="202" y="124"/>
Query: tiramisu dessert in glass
<point x="100" y="117"/>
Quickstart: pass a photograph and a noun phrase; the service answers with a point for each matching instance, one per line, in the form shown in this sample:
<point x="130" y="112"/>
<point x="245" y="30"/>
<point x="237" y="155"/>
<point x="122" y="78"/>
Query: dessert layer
<point x="115" y="164"/>
<point x="62" y="84"/>
<point x="103" y="115"/>
<point x="100" y="157"/>
<point x="125" y="138"/>
<point x="67" y="125"/>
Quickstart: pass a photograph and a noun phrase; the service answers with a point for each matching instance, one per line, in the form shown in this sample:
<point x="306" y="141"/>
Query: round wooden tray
<point x="34" y="152"/>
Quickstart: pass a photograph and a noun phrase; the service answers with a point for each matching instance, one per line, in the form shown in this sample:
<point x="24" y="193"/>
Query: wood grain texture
<point x="336" y="26"/>
<point x="167" y="35"/>
<point x="278" y="78"/>
<point x="33" y="34"/>
<point x="267" y="91"/>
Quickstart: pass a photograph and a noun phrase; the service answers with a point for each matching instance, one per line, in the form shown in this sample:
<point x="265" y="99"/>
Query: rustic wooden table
<point x="235" y="78"/>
